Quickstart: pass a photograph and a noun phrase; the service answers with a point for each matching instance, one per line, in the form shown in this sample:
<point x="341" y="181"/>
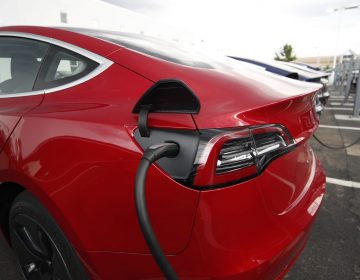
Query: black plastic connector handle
<point x="158" y="151"/>
<point x="152" y="154"/>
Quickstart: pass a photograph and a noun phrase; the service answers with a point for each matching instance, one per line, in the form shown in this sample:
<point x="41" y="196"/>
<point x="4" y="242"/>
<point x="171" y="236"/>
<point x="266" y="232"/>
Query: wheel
<point x="42" y="249"/>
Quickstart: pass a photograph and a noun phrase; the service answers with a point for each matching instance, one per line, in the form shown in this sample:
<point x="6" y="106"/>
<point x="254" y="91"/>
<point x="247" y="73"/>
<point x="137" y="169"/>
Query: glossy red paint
<point x="228" y="94"/>
<point x="73" y="147"/>
<point x="75" y="150"/>
<point x="11" y="110"/>
<point x="236" y="236"/>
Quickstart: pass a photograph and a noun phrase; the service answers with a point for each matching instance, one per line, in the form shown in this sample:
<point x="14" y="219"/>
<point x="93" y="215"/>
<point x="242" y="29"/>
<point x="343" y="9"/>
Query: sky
<point x="258" y="28"/>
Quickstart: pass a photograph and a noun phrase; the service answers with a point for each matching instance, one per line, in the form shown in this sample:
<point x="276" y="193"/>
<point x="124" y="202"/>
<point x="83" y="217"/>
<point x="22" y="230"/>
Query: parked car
<point x="294" y="71"/>
<point x="322" y="77"/>
<point x="238" y="201"/>
<point x="307" y="66"/>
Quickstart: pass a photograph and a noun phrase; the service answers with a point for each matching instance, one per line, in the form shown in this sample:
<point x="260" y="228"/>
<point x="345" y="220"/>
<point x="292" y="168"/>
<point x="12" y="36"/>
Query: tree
<point x="286" y="53"/>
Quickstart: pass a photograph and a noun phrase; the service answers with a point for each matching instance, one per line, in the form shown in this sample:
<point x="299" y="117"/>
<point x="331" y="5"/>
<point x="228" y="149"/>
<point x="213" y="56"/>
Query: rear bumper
<point x="240" y="238"/>
<point x="235" y="236"/>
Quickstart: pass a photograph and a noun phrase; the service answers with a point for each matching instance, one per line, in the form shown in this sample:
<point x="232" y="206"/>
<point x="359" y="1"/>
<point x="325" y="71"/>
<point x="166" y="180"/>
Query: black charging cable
<point x="336" y="147"/>
<point x="152" y="154"/>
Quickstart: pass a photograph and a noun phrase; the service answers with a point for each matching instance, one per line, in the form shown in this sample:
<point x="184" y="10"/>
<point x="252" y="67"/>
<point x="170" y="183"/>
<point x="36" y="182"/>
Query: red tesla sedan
<point x="79" y="107"/>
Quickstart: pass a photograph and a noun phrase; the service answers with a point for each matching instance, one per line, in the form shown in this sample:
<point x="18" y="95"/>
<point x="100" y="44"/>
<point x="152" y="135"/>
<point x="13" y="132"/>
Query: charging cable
<point x="336" y="147"/>
<point x="152" y="154"/>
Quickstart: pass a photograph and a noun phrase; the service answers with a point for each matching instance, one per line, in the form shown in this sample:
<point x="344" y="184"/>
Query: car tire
<point x="41" y="247"/>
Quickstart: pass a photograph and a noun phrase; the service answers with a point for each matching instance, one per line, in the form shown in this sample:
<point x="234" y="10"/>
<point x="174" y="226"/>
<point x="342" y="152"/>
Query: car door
<point x="20" y="62"/>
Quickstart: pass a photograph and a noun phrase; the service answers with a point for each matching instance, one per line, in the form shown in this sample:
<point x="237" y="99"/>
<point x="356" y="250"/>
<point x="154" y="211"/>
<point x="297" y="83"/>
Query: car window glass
<point x="166" y="50"/>
<point x="20" y="61"/>
<point x="63" y="66"/>
<point x="5" y="69"/>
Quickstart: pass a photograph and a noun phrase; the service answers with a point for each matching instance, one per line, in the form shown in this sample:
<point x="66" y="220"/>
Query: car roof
<point x="280" y="68"/>
<point x="305" y="68"/>
<point x="158" y="47"/>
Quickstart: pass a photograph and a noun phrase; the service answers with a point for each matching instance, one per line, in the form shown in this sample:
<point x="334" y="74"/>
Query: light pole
<point x="338" y="29"/>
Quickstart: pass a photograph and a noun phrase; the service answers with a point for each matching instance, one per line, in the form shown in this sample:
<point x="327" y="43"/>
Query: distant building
<point x="319" y="61"/>
<point x="82" y="13"/>
<point x="324" y="62"/>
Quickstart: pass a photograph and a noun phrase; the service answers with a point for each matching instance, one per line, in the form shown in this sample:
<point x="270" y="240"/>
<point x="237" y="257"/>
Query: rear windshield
<point x="159" y="48"/>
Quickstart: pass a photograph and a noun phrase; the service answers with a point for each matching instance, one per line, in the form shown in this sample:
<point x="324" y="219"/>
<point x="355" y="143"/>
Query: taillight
<point x="226" y="157"/>
<point x="215" y="158"/>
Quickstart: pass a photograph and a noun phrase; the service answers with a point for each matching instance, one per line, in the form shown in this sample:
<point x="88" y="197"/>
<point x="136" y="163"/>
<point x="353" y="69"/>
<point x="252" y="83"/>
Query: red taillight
<point x="226" y="157"/>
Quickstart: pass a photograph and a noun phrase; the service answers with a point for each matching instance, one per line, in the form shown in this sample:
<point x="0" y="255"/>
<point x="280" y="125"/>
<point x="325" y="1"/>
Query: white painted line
<point x="344" y="183"/>
<point x="339" y="108"/>
<point x="340" y="101"/>
<point x="346" y="118"/>
<point x="340" y="104"/>
<point x="339" y="97"/>
<point x="340" y="127"/>
<point x="353" y="151"/>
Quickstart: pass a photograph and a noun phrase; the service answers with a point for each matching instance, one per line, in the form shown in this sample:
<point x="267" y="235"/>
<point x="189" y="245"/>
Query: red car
<point x="78" y="108"/>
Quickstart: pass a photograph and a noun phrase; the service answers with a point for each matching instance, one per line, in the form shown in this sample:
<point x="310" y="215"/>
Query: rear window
<point x="162" y="49"/>
<point x="159" y="48"/>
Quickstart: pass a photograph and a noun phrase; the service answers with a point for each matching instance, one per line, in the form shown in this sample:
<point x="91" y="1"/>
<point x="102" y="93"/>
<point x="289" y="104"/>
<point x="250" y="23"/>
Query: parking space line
<point x="343" y="183"/>
<point x="346" y="118"/>
<point x="340" y="104"/>
<point x="338" y="108"/>
<point x="340" y="97"/>
<point x="340" y="127"/>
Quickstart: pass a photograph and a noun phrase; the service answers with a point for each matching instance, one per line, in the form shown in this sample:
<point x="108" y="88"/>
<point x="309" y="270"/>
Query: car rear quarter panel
<point x="11" y="110"/>
<point x="241" y="237"/>
<point x="235" y="236"/>
<point x="76" y="154"/>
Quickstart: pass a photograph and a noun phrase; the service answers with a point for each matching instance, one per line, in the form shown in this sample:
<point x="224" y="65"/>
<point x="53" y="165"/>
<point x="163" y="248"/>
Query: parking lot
<point x="333" y="251"/>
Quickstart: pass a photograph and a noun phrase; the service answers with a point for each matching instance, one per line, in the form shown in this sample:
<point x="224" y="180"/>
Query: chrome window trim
<point x="103" y="62"/>
<point x="21" y="94"/>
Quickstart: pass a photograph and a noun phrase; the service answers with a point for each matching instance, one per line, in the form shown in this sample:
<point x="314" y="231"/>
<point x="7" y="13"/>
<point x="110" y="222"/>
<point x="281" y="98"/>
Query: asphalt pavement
<point x="8" y="265"/>
<point x="333" y="251"/>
